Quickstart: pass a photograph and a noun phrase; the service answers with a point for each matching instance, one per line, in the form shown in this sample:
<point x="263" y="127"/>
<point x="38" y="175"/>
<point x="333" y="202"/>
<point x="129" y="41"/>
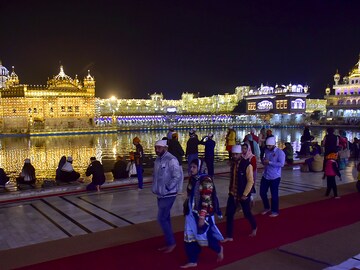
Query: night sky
<point x="134" y="48"/>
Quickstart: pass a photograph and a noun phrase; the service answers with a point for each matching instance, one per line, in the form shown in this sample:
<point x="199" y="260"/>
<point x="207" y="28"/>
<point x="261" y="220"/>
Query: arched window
<point x="265" y="105"/>
<point x="298" y="104"/>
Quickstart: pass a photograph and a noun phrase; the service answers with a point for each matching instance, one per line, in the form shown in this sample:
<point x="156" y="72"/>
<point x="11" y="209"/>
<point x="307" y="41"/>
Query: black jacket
<point x="175" y="149"/>
<point x="97" y="170"/>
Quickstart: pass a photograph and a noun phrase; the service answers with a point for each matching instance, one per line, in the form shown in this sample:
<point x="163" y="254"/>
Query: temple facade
<point x="66" y="103"/>
<point x="157" y="104"/>
<point x="60" y="104"/>
<point x="343" y="99"/>
<point x="280" y="99"/>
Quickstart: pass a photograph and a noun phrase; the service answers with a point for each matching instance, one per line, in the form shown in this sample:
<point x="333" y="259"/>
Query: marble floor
<point x="40" y="219"/>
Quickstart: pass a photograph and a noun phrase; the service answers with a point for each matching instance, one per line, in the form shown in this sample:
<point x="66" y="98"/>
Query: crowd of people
<point x="201" y="203"/>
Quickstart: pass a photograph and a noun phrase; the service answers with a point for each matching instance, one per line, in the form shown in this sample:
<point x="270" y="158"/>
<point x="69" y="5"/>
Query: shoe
<point x="265" y="211"/>
<point x="273" y="214"/>
<point x="189" y="265"/>
<point x="337" y="197"/>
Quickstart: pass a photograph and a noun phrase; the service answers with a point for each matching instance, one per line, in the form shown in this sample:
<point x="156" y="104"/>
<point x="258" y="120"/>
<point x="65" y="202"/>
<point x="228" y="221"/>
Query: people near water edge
<point x="209" y="152"/>
<point x="27" y="174"/>
<point x="138" y="159"/>
<point x="119" y="170"/>
<point x="95" y="169"/>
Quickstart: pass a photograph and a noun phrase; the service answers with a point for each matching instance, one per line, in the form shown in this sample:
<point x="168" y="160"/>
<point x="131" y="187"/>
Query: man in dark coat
<point x="95" y="169"/>
<point x="119" y="170"/>
<point x="174" y="148"/>
<point x="209" y="152"/>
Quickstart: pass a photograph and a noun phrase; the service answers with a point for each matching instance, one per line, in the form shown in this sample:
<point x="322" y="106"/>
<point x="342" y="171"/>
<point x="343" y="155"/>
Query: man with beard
<point x="273" y="161"/>
<point x="166" y="178"/>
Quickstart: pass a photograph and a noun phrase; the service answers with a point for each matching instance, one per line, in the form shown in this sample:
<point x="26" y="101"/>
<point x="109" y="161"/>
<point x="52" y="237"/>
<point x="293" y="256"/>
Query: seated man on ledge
<point x="119" y="171"/>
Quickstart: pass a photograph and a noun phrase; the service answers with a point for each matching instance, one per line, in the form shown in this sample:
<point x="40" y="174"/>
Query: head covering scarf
<point x="248" y="154"/>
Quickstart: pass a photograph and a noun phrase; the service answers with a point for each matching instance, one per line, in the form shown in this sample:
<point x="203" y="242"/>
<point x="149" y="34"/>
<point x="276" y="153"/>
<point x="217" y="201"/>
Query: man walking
<point x="166" y="178"/>
<point x="273" y="161"/>
<point x="241" y="183"/>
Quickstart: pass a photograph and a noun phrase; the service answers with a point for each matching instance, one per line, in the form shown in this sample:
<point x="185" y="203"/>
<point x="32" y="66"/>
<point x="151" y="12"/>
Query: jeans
<point x="139" y="172"/>
<point x="164" y="207"/>
<point x="230" y="212"/>
<point x="274" y="190"/>
<point x="210" y="165"/>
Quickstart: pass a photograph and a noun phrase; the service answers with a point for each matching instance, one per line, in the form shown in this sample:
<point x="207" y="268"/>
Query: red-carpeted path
<point x="292" y="224"/>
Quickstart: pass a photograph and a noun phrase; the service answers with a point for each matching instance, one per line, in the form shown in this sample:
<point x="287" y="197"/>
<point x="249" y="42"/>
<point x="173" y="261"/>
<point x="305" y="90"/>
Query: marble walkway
<point x="40" y="216"/>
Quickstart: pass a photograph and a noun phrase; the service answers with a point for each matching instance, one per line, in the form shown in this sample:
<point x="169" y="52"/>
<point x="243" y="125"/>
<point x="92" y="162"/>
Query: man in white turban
<point x="273" y="161"/>
<point x="167" y="176"/>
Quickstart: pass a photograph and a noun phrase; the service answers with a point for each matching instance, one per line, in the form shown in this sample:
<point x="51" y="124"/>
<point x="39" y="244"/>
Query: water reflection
<point x="45" y="152"/>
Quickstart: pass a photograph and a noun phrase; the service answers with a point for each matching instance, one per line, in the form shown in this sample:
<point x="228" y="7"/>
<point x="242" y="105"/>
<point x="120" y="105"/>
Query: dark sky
<point x="138" y="47"/>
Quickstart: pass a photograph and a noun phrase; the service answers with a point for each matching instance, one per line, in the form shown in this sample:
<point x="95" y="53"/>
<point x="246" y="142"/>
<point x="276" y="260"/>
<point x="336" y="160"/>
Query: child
<point x="331" y="170"/>
<point x="358" y="178"/>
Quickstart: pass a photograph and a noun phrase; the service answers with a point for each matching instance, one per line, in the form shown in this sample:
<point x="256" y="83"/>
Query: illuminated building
<point x="343" y="100"/>
<point x="62" y="103"/>
<point x="156" y="104"/>
<point x="280" y="99"/>
<point x="66" y="104"/>
<point x="313" y="105"/>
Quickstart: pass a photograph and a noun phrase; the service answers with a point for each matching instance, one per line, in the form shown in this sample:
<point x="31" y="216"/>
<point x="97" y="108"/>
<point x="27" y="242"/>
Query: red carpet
<point x="292" y="224"/>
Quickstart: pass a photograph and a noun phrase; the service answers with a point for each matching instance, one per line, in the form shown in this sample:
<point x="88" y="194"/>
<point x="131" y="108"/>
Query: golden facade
<point x="156" y="104"/>
<point x="315" y="105"/>
<point x="62" y="103"/>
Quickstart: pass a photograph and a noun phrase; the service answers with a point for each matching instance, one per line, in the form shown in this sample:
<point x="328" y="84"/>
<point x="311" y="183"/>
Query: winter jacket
<point x="166" y="176"/>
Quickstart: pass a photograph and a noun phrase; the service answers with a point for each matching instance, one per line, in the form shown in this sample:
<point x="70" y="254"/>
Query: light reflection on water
<point x="45" y="152"/>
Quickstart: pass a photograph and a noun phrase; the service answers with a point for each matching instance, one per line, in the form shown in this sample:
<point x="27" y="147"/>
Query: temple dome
<point x="89" y="77"/>
<point x="355" y="72"/>
<point x="62" y="76"/>
<point x="13" y="75"/>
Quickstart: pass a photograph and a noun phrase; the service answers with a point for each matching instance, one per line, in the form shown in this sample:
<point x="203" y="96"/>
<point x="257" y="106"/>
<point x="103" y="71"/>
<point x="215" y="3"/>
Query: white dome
<point x="4" y="73"/>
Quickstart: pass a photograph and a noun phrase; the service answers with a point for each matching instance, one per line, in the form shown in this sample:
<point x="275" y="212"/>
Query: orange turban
<point x="332" y="156"/>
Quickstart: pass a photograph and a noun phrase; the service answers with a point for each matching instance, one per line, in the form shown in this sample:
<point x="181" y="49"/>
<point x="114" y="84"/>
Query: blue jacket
<point x="276" y="162"/>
